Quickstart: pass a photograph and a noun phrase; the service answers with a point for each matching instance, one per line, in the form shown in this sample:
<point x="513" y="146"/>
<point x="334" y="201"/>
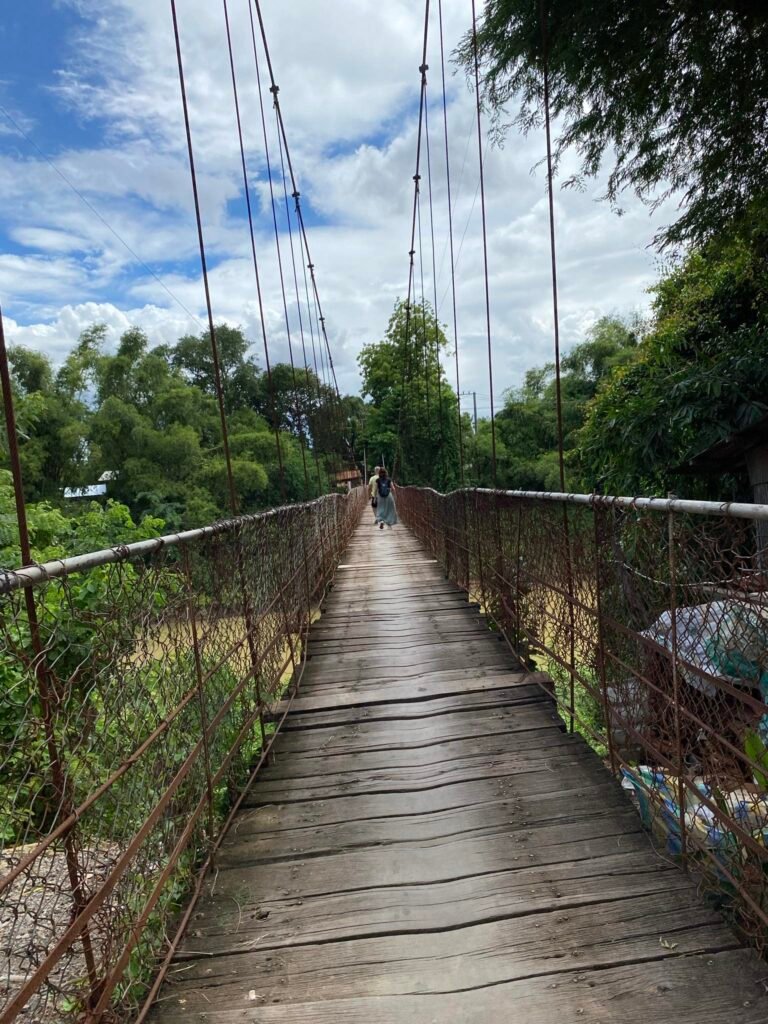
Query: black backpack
<point x="383" y="487"/>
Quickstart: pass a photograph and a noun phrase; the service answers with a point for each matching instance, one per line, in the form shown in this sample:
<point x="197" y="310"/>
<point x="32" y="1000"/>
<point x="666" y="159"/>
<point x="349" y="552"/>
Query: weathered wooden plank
<point x="291" y="832"/>
<point x="367" y="736"/>
<point x="592" y="937"/>
<point x="426" y="757"/>
<point x="395" y="580"/>
<point x="440" y="684"/>
<point x="434" y="860"/>
<point x="705" y="988"/>
<point x="563" y="757"/>
<point x="392" y="666"/>
<point x="523" y="790"/>
<point x="348" y="652"/>
<point x="263" y="921"/>
<point x="381" y="636"/>
<point x="502" y="819"/>
<point x="464" y="704"/>
<point x="386" y="637"/>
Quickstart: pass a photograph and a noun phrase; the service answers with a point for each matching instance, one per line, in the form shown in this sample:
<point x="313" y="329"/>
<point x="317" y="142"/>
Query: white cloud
<point x="348" y="76"/>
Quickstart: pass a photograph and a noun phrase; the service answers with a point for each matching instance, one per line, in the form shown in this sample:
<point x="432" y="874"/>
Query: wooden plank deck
<point x="431" y="846"/>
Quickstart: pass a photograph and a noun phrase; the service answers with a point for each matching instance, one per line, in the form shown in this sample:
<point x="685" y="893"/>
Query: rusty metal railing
<point x="128" y="740"/>
<point x="651" y="617"/>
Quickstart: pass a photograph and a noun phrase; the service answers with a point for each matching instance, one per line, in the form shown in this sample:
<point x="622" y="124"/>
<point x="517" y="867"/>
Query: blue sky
<point x="94" y="86"/>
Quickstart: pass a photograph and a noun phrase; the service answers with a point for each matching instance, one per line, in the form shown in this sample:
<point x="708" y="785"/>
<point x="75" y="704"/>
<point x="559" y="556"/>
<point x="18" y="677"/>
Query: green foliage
<point x="150" y="417"/>
<point x="757" y="751"/>
<point x="411" y="419"/>
<point x="700" y="374"/>
<point x="588" y="712"/>
<point x="73" y="624"/>
<point x="47" y="526"/>
<point x="526" y="427"/>
<point x="676" y="95"/>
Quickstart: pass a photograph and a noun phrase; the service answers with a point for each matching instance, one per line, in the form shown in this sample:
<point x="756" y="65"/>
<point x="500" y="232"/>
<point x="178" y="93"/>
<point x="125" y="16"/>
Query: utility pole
<point x="474" y="403"/>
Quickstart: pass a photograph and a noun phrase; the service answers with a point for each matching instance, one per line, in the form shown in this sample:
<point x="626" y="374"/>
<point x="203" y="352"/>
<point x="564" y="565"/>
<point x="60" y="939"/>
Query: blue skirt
<point x="386" y="510"/>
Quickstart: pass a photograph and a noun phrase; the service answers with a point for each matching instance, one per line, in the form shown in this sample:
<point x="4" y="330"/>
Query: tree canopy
<point x="674" y="94"/>
<point x="700" y="374"/>
<point x="150" y="417"/>
<point x="411" y="418"/>
<point x="526" y="426"/>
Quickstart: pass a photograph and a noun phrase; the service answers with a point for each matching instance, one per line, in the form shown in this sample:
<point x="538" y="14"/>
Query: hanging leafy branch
<point x="674" y="95"/>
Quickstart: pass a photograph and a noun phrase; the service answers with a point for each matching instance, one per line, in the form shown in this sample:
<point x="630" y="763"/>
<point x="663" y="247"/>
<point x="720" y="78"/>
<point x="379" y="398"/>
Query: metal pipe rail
<point x="731" y="509"/>
<point x="34" y="575"/>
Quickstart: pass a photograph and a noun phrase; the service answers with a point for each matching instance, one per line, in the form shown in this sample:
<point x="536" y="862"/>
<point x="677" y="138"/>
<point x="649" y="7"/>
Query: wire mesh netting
<point x="651" y="618"/>
<point x="136" y="697"/>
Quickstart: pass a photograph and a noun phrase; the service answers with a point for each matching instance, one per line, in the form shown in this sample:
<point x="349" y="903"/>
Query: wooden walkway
<point x="430" y="846"/>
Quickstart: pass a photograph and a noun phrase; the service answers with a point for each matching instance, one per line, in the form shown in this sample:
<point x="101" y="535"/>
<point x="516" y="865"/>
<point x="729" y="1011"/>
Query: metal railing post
<point x="679" y="762"/>
<point x="597" y="515"/>
<point x="192" y="619"/>
<point x="571" y="622"/>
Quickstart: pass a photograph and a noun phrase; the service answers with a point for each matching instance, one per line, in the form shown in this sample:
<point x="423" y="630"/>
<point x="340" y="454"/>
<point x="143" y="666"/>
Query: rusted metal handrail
<point x="730" y="509"/>
<point x="160" y="671"/>
<point x="651" y="616"/>
<point x="36" y="573"/>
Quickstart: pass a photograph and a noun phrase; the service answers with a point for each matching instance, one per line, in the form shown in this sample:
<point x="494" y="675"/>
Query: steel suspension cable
<point x="299" y="404"/>
<point x="311" y="316"/>
<point x="412" y="250"/>
<point x="570" y="583"/>
<point x="424" y="325"/>
<point x="485" y="240"/>
<point x="322" y="331"/>
<point x="552" y="245"/>
<point x="204" y="266"/>
<point x="278" y="251"/>
<point x="274" y="89"/>
<point x="434" y="288"/>
<point x="450" y="242"/>
<point x="294" y="380"/>
<point x="247" y="191"/>
<point x="298" y="303"/>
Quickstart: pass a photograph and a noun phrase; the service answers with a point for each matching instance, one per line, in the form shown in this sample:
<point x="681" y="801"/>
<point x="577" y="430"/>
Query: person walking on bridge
<point x="372" y="491"/>
<point x="386" y="510"/>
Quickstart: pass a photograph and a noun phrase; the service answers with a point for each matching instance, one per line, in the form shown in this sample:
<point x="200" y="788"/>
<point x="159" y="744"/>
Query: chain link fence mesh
<point x="651" y="618"/>
<point x="134" y="704"/>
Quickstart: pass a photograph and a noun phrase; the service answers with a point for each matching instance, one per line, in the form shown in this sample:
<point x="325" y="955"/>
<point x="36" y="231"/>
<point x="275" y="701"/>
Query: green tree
<point x="411" y="419"/>
<point x="674" y="94"/>
<point x="151" y="417"/>
<point x="700" y="374"/>
<point x="52" y="425"/>
<point x="239" y="372"/>
<point x="526" y="426"/>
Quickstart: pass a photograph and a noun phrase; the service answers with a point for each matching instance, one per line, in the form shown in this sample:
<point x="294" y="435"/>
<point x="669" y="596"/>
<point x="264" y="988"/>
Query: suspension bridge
<point x="288" y="767"/>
